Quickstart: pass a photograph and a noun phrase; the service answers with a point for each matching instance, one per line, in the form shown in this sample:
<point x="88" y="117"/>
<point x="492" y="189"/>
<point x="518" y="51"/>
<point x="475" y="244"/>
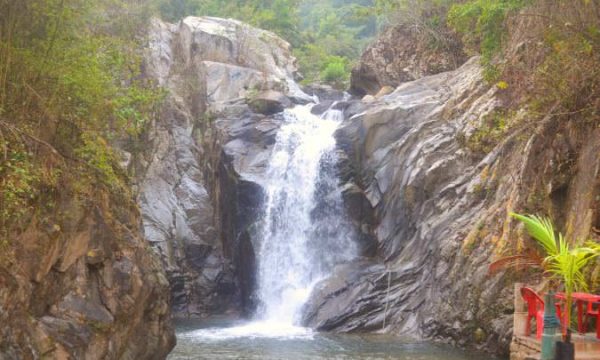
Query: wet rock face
<point x="407" y="166"/>
<point x="397" y="56"/>
<point x="87" y="287"/>
<point x="200" y="173"/>
<point x="438" y="210"/>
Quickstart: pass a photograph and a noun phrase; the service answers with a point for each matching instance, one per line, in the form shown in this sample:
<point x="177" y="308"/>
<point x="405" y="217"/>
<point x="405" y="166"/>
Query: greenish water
<point x="221" y="339"/>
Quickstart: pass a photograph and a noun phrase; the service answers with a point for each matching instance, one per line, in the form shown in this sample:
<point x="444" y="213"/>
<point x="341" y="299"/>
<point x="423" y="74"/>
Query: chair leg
<point x="528" y="325"/>
<point x="598" y="325"/>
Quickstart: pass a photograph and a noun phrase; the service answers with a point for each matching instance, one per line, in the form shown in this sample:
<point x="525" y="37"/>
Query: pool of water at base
<point x="223" y="339"/>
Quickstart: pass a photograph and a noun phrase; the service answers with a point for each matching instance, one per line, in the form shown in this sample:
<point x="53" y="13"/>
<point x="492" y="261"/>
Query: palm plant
<point x="561" y="262"/>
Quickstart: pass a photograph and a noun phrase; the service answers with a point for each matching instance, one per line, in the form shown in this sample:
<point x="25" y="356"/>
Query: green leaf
<point x="540" y="229"/>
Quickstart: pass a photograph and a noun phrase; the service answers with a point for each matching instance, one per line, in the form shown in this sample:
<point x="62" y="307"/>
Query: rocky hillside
<point x="425" y="191"/>
<point x="437" y="166"/>
<point x="430" y="172"/>
<point x="84" y="285"/>
<point x="77" y="278"/>
<point x="401" y="54"/>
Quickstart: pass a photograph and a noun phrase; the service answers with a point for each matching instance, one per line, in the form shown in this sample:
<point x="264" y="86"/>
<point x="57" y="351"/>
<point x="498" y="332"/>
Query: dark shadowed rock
<point x="350" y="108"/>
<point x="324" y="92"/>
<point x="321" y="107"/>
<point x="269" y="103"/>
<point x="339" y="303"/>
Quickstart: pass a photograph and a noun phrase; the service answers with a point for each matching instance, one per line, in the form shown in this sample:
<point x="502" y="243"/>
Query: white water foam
<point x="255" y="329"/>
<point x="304" y="231"/>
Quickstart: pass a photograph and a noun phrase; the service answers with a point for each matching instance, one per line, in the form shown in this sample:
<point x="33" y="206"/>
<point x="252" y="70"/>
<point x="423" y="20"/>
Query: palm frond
<point x="541" y="230"/>
<point x="561" y="261"/>
<point x="528" y="258"/>
<point x="514" y="261"/>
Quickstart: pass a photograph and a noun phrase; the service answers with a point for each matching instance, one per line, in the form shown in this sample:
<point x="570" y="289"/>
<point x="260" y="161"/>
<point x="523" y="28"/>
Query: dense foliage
<point x="69" y="85"/>
<point x="335" y="33"/>
<point x="557" y="66"/>
<point x="482" y="24"/>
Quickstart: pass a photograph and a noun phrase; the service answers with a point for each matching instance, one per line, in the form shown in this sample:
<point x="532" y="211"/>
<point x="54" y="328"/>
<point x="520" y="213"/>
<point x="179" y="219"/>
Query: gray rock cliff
<point x="200" y="172"/>
<point x="438" y="208"/>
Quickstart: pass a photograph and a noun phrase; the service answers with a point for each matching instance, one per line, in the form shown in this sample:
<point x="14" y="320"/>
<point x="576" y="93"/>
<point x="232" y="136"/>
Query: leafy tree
<point x="335" y="71"/>
<point x="336" y="33"/>
<point x="173" y="10"/>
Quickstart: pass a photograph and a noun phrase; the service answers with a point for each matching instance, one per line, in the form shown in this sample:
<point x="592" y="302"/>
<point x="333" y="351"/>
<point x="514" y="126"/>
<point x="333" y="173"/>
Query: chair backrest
<point x="533" y="300"/>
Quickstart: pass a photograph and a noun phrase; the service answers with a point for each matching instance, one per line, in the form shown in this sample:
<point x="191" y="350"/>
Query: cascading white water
<point x="304" y="233"/>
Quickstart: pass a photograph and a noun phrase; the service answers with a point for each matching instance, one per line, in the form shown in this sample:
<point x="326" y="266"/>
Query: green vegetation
<point x="482" y="24"/>
<point x="491" y="131"/>
<point x="569" y="76"/>
<point x="562" y="262"/>
<point x="328" y="36"/>
<point x="418" y="13"/>
<point x="69" y="85"/>
<point x="335" y="71"/>
<point x="428" y="18"/>
<point x="335" y="33"/>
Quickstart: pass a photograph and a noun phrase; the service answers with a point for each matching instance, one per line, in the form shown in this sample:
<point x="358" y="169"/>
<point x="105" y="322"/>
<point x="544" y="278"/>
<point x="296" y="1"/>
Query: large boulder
<point x="421" y="186"/>
<point x="437" y="201"/>
<point x="269" y="102"/>
<point x="402" y="54"/>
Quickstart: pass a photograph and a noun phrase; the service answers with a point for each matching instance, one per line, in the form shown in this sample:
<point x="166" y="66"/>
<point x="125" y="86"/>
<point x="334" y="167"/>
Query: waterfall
<point x="304" y="230"/>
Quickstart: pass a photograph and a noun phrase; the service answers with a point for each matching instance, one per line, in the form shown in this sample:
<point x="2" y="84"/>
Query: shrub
<point x="334" y="72"/>
<point x="69" y="78"/>
<point x="564" y="261"/>
<point x="482" y="24"/>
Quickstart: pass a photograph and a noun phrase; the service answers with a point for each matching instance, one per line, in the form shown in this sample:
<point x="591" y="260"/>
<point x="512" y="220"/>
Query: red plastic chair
<point x="593" y="312"/>
<point x="535" y="309"/>
<point x="590" y="311"/>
